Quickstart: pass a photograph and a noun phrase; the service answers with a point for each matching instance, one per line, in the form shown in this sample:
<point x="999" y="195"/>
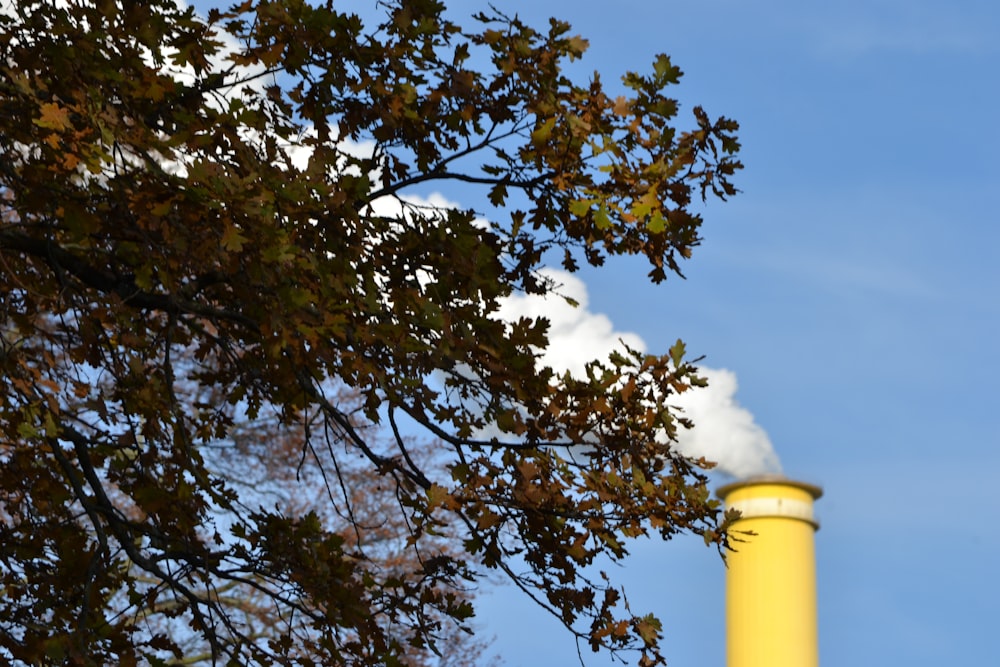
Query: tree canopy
<point x="214" y="222"/>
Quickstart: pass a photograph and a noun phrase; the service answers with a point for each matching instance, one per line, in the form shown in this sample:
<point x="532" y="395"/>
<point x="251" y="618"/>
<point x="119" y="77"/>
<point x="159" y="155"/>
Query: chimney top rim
<point x="814" y="490"/>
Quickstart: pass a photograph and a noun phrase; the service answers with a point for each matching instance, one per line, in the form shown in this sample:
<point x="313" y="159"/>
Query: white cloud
<point x="577" y="335"/>
<point x="724" y="432"/>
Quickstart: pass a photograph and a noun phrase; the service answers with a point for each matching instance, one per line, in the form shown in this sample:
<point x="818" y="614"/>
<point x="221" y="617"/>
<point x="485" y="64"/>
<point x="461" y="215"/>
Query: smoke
<point x="724" y="432"/>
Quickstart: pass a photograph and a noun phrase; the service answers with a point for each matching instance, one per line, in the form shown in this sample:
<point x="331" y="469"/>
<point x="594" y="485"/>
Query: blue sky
<point x="851" y="288"/>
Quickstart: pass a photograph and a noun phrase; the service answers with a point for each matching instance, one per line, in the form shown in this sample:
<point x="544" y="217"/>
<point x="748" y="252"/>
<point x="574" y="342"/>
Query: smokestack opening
<point x="771" y="574"/>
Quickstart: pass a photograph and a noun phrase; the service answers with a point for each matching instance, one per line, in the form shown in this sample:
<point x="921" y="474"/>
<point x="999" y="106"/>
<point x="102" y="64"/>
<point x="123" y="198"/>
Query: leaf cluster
<point x="211" y="221"/>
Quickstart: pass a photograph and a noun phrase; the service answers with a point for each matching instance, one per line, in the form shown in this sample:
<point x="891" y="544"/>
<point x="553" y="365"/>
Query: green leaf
<point x="665" y="71"/>
<point x="601" y="218"/>
<point x="677" y="353"/>
<point x="543" y="131"/>
<point x="232" y="239"/>
<point x="498" y="195"/>
<point x="656" y="223"/>
<point x="649" y="628"/>
<point x="580" y="207"/>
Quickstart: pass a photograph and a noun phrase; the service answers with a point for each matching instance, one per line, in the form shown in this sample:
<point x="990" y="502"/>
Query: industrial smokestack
<point x="771" y="577"/>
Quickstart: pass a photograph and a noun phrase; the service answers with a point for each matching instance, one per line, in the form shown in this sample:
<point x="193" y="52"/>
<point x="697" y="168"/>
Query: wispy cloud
<point x="853" y="276"/>
<point x="901" y="27"/>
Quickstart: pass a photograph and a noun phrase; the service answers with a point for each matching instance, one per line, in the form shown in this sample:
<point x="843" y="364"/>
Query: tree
<point x="254" y="458"/>
<point x="195" y="233"/>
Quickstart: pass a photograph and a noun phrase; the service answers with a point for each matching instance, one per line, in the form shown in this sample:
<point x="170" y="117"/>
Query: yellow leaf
<point x="621" y="106"/>
<point x="649" y="629"/>
<point x="54" y="117"/>
<point x="70" y="161"/>
<point x="577" y="45"/>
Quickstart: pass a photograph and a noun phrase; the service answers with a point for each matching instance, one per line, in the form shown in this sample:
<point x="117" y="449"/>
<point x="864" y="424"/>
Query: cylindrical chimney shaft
<point x="771" y="577"/>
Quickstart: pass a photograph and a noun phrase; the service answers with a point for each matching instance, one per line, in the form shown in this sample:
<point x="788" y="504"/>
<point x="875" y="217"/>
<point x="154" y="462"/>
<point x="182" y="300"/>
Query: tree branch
<point x="59" y="259"/>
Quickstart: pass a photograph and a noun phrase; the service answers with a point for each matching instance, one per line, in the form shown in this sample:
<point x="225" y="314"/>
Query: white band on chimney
<point x="786" y="507"/>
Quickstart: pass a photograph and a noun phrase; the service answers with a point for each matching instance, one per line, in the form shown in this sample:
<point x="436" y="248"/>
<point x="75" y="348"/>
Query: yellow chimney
<point x="771" y="578"/>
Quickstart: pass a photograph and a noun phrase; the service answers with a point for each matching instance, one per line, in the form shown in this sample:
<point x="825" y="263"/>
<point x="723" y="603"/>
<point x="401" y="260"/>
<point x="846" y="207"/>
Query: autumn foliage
<point x="214" y="259"/>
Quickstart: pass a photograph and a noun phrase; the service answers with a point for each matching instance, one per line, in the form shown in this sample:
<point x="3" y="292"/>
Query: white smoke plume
<point x="724" y="432"/>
